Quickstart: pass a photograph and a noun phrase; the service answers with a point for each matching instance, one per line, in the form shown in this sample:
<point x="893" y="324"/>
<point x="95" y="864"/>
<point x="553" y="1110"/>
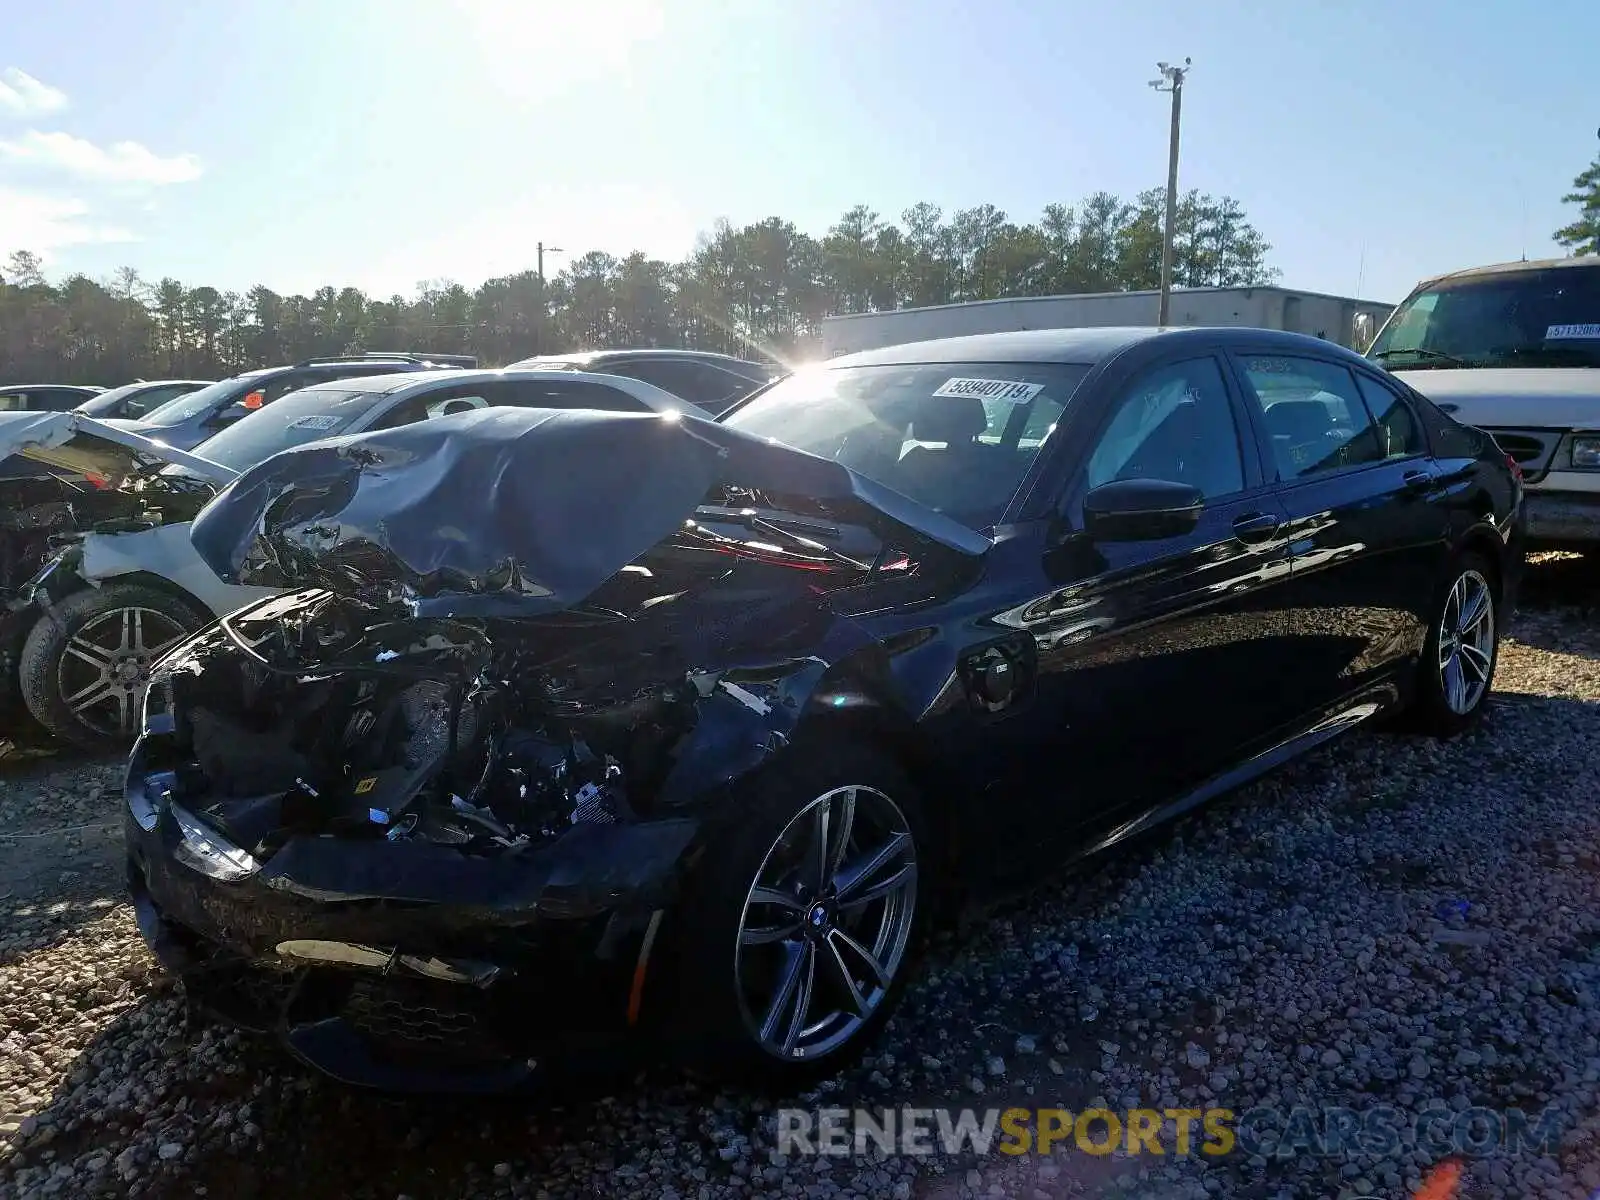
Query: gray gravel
<point x="1391" y="922"/>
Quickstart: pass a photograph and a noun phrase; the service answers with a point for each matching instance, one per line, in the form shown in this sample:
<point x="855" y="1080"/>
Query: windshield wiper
<point x="759" y="524"/>
<point x="1430" y="355"/>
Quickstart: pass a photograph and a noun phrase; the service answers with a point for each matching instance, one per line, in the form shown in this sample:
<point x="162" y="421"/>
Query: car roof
<point x="418" y="382"/>
<point x="92" y="389"/>
<point x="600" y="356"/>
<point x="1084" y="346"/>
<point x="1510" y="268"/>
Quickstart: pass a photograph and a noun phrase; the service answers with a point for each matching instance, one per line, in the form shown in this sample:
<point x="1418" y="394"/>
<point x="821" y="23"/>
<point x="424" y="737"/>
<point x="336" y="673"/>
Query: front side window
<point x="13" y="401"/>
<point x="948" y="435"/>
<point x="1175" y="424"/>
<point x="1314" y="415"/>
<point x="1533" y="318"/>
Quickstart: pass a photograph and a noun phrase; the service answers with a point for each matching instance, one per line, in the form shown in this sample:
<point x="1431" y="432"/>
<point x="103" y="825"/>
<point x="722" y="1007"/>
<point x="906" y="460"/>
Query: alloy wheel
<point x="826" y="923"/>
<point x="1466" y="643"/>
<point x="104" y="670"/>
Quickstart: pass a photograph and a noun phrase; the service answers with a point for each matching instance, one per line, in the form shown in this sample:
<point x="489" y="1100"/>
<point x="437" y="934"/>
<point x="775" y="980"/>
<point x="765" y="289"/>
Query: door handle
<point x="1419" y="481"/>
<point x="1255" y="527"/>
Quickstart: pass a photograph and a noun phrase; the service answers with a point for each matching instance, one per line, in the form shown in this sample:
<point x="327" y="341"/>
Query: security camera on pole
<point x="1171" y="81"/>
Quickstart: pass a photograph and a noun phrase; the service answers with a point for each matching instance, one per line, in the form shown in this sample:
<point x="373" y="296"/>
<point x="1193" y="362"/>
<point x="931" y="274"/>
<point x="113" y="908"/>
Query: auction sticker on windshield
<point x="1008" y="390"/>
<point x="314" y="422"/>
<point x="1556" y="332"/>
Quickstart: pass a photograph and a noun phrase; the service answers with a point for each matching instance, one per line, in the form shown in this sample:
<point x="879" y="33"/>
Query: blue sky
<point x="383" y="142"/>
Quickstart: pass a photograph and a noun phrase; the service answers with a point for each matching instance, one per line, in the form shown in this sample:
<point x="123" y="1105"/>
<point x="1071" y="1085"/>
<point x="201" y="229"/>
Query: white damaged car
<point x="1514" y="349"/>
<point x="102" y="578"/>
<point x="119" y="582"/>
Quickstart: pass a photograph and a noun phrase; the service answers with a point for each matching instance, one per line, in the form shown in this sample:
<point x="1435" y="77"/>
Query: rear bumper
<point x="412" y="967"/>
<point x="1562" y="518"/>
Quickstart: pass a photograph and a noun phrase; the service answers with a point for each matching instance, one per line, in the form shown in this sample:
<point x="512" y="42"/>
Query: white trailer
<point x="1342" y="319"/>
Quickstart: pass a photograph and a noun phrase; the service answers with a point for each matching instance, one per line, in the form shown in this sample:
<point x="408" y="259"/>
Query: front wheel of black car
<point x="85" y="665"/>
<point x="1458" y="662"/>
<point x="798" y="935"/>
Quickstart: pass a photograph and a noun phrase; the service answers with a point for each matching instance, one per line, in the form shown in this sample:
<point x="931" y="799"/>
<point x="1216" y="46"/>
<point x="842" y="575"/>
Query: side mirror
<point x="1141" y="510"/>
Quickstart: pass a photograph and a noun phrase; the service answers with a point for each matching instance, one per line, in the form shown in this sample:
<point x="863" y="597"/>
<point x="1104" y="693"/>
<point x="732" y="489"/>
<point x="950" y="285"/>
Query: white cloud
<point x="44" y="224"/>
<point x="121" y="162"/>
<point x="22" y="95"/>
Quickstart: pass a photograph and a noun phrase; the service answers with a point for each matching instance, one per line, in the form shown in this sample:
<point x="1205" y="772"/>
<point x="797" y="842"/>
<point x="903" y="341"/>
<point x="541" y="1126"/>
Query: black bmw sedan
<point x="575" y="725"/>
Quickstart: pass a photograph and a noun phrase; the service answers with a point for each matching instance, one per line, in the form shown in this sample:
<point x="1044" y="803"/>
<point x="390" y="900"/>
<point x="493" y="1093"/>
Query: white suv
<point x="1514" y="349"/>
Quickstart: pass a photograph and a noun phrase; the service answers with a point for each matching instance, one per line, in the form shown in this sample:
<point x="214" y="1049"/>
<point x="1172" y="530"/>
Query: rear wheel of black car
<point x="798" y="934"/>
<point x="85" y="666"/>
<point x="1456" y="673"/>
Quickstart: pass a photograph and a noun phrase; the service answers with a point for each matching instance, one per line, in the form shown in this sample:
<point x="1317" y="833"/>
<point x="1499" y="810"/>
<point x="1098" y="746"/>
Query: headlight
<point x="208" y="852"/>
<point x="1586" y="452"/>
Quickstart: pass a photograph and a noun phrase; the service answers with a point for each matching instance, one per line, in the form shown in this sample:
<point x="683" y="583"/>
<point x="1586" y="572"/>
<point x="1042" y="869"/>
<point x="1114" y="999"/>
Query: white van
<point x="1514" y="349"/>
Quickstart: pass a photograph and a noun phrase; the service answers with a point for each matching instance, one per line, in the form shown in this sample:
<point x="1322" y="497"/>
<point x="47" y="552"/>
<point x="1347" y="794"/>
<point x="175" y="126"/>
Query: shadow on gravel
<point x="60" y="849"/>
<point x="254" y="1124"/>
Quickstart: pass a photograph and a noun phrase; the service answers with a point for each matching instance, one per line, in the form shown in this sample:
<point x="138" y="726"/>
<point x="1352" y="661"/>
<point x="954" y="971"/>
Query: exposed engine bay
<point x="34" y="512"/>
<point x="319" y="714"/>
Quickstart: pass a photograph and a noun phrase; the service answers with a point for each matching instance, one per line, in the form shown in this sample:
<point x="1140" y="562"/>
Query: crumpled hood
<point x="99" y="450"/>
<point x="510" y="511"/>
<point x="1507" y="397"/>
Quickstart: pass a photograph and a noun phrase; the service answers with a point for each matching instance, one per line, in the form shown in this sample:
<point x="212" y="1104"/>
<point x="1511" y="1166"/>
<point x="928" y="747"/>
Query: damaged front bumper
<point x="408" y="966"/>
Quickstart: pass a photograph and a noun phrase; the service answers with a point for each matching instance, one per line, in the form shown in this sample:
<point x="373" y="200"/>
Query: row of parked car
<point x="79" y="642"/>
<point x="547" y="712"/>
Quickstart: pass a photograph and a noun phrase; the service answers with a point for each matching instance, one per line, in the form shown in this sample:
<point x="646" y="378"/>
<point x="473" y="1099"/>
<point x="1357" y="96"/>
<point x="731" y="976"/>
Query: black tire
<point x="712" y="1022"/>
<point x="44" y="687"/>
<point x="1431" y="711"/>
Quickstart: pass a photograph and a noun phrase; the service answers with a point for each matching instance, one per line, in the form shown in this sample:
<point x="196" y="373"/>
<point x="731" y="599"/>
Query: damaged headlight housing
<point x="208" y="852"/>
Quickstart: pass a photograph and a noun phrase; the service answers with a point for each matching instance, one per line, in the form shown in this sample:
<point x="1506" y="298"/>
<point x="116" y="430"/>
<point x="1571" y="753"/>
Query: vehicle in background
<point x="126" y="582"/>
<point x="1514" y="349"/>
<point x="188" y="420"/>
<point x="711" y="382"/>
<point x="134" y="400"/>
<point x="693" y="724"/>
<point x="1341" y="319"/>
<point x="44" y="397"/>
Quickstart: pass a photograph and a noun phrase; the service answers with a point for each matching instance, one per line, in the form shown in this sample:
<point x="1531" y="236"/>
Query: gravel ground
<point x="1391" y="922"/>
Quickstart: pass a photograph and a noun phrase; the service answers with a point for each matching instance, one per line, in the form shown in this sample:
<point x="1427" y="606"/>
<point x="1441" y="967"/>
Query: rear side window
<point x="699" y="383"/>
<point x="1314" y="414"/>
<point x="1399" y="435"/>
<point x="569" y="393"/>
<point x="13" y="401"/>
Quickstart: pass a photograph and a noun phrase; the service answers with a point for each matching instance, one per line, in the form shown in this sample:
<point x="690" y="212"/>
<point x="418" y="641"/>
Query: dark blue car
<point x="576" y="725"/>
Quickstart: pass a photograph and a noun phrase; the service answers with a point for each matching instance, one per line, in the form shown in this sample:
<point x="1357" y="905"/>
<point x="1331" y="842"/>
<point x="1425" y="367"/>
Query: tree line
<point x="760" y="289"/>
<point x="1582" y="236"/>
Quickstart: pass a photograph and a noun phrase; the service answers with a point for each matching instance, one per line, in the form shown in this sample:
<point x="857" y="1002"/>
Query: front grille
<point x="1531" y="449"/>
<point x="423" y="1021"/>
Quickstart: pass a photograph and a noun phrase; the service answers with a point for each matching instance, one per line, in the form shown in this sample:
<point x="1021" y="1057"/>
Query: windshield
<point x="212" y="396"/>
<point x="1540" y="318"/>
<point x="299" y="417"/>
<point x="956" y="437"/>
<point x="106" y="404"/>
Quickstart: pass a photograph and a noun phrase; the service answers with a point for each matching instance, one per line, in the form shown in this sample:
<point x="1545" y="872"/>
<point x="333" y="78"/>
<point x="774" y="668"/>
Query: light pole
<point x="1171" y="81"/>
<point x="542" y="249"/>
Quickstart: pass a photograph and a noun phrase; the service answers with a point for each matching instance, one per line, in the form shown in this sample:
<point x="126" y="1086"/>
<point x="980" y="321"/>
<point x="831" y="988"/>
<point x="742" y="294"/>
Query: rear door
<point x="1369" y="527"/>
